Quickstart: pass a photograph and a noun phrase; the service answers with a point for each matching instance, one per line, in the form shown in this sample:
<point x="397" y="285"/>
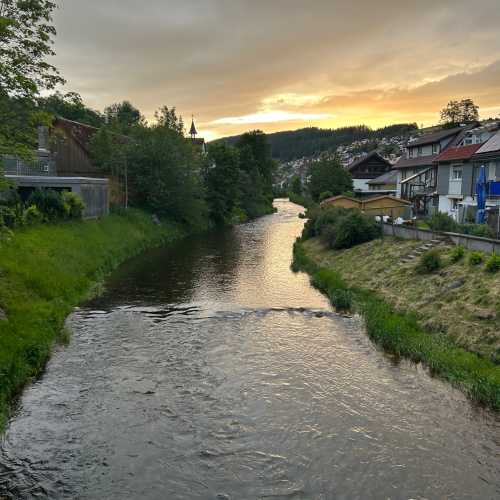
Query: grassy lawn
<point x="448" y="320"/>
<point x="47" y="270"/>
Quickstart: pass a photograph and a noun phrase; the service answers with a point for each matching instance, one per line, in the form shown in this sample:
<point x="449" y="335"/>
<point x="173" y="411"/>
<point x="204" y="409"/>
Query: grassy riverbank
<point x="416" y="316"/>
<point x="47" y="270"/>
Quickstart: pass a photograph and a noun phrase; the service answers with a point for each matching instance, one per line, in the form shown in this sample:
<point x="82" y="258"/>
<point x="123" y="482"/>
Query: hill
<point x="312" y="141"/>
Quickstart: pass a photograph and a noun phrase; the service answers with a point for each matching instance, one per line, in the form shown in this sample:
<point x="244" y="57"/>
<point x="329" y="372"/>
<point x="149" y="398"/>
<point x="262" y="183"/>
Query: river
<point x="208" y="370"/>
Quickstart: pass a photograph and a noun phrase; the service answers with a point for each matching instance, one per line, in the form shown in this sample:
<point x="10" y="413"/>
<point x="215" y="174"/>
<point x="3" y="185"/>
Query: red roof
<point x="460" y="153"/>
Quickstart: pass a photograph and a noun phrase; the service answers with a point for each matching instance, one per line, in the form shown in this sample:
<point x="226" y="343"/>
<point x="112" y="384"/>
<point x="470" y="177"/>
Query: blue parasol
<point x="481" y="196"/>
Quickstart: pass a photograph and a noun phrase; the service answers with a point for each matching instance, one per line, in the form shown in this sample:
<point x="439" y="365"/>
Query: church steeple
<point x="193" y="132"/>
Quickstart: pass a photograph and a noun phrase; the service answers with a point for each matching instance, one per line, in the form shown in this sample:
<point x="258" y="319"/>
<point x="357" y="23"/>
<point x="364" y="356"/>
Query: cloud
<point x="235" y="60"/>
<point x="270" y="117"/>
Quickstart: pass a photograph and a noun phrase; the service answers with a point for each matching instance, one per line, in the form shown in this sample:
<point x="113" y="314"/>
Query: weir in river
<point x="210" y="370"/>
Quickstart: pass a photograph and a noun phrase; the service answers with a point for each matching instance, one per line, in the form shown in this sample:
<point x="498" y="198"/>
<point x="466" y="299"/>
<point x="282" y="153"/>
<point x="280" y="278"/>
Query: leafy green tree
<point x="457" y="112"/>
<point x="296" y="185"/>
<point x="71" y="107"/>
<point x="164" y="171"/>
<point x="257" y="143"/>
<point x="26" y="33"/>
<point x="328" y="175"/>
<point x="168" y="118"/>
<point x="123" y="117"/>
<point x="222" y="177"/>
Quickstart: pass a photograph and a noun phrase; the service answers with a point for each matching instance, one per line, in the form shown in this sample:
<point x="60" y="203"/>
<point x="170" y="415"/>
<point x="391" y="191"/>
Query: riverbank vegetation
<point x="47" y="270"/>
<point x="446" y="318"/>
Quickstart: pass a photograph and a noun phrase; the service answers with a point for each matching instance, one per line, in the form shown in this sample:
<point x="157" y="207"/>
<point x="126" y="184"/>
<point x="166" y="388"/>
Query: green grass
<point x="401" y="334"/>
<point x="47" y="270"/>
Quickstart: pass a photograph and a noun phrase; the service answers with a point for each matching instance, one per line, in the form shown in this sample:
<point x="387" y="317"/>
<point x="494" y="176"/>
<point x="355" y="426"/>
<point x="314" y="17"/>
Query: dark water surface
<point x="211" y="371"/>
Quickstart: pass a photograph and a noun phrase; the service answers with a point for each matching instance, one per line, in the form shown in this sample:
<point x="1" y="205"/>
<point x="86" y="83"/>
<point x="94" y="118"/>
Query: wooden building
<point x="376" y="205"/>
<point x="366" y="168"/>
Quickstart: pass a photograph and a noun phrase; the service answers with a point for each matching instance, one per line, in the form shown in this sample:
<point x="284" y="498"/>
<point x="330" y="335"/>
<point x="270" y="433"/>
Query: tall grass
<point x="400" y="334"/>
<point x="45" y="271"/>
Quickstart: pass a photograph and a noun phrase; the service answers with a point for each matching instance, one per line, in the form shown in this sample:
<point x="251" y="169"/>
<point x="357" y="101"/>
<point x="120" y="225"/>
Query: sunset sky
<point x="282" y="64"/>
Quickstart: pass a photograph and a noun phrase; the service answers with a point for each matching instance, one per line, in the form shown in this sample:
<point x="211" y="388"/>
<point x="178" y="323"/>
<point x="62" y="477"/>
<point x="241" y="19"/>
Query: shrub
<point x="325" y="195"/>
<point x="327" y="217"/>
<point x="476" y="258"/>
<point x="8" y="217"/>
<point x="430" y="262"/>
<point x="442" y="222"/>
<point x="32" y="215"/>
<point x="49" y="202"/>
<point x="74" y="205"/>
<point x="355" y="228"/>
<point x="457" y="253"/>
<point x="493" y="263"/>
<point x="481" y="230"/>
<point x="341" y="299"/>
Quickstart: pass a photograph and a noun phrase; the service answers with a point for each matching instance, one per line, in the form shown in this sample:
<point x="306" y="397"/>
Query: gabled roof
<point x="387" y="196"/>
<point x="435" y="136"/>
<point x="419" y="161"/>
<point x="339" y="197"/>
<point x="491" y="145"/>
<point x="369" y="156"/>
<point x="390" y="177"/>
<point x="458" y="153"/>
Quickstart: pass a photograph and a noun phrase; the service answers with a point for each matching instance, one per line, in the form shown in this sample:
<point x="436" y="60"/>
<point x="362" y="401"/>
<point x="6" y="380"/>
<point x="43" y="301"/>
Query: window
<point x="435" y="148"/>
<point x="468" y="140"/>
<point x="454" y="204"/>
<point x="410" y="152"/>
<point x="420" y="151"/>
<point x="456" y="173"/>
<point x="492" y="171"/>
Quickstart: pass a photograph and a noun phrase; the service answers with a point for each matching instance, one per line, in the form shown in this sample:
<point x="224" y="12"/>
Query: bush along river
<point x="209" y="370"/>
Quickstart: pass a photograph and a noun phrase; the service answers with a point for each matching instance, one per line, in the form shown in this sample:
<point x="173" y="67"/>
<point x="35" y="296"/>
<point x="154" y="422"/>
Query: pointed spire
<point x="193" y="132"/>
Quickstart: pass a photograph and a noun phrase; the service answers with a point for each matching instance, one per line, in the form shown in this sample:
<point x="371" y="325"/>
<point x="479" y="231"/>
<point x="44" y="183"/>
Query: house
<point x="376" y="205"/>
<point x="62" y="162"/>
<point x="367" y="168"/>
<point x="458" y="168"/>
<point x="385" y="183"/>
<point x="417" y="170"/>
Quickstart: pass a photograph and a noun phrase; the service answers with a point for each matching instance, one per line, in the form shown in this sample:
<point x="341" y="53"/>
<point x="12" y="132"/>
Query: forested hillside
<point x="312" y="141"/>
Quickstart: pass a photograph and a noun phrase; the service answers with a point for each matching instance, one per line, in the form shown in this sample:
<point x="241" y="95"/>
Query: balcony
<point x="43" y="166"/>
<point x="493" y="189"/>
<point x="421" y="184"/>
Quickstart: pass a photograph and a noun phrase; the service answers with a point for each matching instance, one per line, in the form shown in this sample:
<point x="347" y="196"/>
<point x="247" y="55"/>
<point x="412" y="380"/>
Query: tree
<point x="71" y="107"/>
<point x="164" y="171"/>
<point x="296" y="185"/>
<point x="328" y="175"/>
<point x="26" y="33"/>
<point x="457" y="112"/>
<point x="168" y="118"/>
<point x="123" y="116"/>
<point x="222" y="177"/>
<point x="260" y="149"/>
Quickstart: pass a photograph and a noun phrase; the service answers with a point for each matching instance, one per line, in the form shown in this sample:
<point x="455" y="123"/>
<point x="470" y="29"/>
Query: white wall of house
<point x="361" y="184"/>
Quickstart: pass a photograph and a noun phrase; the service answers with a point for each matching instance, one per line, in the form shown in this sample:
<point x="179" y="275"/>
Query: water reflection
<point x="211" y="371"/>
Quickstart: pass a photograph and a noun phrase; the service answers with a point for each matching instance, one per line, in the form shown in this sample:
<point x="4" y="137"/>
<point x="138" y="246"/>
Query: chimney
<point x="43" y="139"/>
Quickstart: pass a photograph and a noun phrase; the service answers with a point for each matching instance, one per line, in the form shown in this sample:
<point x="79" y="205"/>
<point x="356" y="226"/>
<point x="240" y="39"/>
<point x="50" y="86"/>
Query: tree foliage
<point x="239" y="179"/>
<point x="26" y="33"/>
<point x="327" y="174"/>
<point x="123" y="117"/>
<point x="312" y="141"/>
<point x="457" y="112"/>
<point x="71" y="107"/>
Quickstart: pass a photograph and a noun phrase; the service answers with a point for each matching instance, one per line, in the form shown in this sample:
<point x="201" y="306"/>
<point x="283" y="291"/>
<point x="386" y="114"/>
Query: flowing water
<point x="209" y="370"/>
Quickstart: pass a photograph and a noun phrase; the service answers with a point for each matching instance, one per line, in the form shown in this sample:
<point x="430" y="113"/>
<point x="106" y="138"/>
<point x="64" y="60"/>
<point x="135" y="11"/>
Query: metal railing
<point x="43" y="166"/>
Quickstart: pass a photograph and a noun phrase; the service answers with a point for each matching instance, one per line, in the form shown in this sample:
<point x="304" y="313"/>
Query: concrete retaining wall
<point x="469" y="242"/>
